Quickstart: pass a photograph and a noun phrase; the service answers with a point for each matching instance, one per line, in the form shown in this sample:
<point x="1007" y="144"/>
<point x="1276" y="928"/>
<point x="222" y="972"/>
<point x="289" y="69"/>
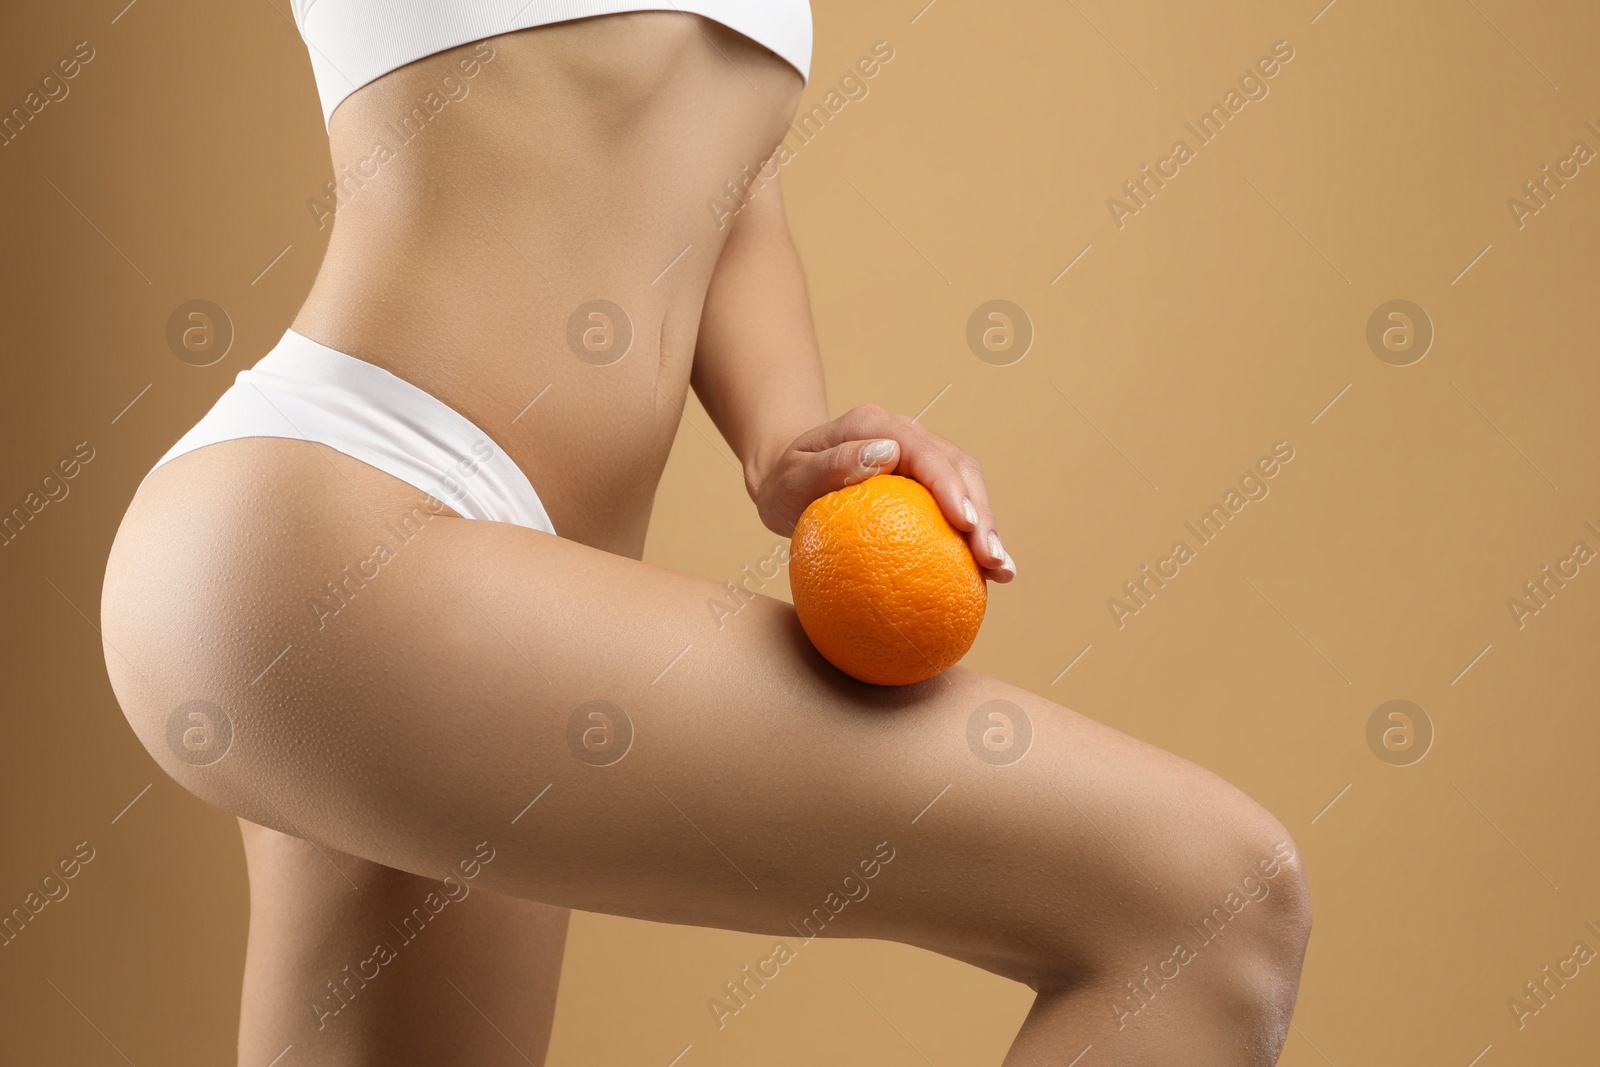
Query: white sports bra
<point x="353" y="42"/>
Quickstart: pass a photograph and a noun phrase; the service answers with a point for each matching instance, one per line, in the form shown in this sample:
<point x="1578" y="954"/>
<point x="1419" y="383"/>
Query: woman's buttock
<point x="312" y="528"/>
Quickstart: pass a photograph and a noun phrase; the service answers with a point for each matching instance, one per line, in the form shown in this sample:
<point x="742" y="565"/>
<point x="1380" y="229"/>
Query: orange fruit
<point x="885" y="587"/>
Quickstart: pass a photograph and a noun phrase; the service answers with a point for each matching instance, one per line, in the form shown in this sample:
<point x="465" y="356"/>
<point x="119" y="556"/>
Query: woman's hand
<point x="868" y="441"/>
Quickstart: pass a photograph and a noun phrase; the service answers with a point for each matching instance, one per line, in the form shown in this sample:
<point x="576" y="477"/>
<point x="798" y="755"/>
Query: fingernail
<point x="1010" y="566"/>
<point x="996" y="549"/>
<point x="969" y="511"/>
<point x="877" y="453"/>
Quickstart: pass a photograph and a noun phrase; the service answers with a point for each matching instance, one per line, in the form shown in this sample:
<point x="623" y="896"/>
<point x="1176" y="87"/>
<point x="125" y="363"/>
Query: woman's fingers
<point x="816" y="474"/>
<point x="995" y="559"/>
<point x="868" y="440"/>
<point x="860" y="460"/>
<point x="921" y="453"/>
<point x="807" y="471"/>
<point x="956" y="482"/>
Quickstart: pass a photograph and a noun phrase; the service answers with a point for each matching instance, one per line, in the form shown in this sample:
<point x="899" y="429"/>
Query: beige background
<point x="1223" y="317"/>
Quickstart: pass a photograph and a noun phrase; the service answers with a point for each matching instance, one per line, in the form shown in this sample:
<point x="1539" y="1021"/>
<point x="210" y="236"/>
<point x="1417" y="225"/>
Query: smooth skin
<point x="402" y="737"/>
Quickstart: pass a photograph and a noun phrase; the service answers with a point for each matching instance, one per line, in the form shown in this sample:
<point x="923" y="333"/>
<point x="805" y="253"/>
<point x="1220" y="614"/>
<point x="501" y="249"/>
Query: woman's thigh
<point x="354" y="962"/>
<point x="619" y="745"/>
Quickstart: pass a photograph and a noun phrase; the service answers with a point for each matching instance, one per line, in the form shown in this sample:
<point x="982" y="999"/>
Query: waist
<point x="534" y="250"/>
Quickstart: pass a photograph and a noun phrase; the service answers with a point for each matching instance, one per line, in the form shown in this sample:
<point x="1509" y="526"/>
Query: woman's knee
<point x="1235" y="925"/>
<point x="1256" y="934"/>
<point x="1192" y="870"/>
<point x="1245" y="887"/>
<point x="1266" y="904"/>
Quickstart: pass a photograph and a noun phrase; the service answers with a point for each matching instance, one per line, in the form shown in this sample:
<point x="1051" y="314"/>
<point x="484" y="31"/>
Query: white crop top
<point x="353" y="42"/>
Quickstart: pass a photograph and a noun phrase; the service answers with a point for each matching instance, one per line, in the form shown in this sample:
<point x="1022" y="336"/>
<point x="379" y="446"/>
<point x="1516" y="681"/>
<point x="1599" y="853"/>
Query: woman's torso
<point x="480" y="217"/>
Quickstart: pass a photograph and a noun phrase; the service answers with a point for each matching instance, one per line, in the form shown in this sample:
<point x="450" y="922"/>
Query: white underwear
<point x="306" y="391"/>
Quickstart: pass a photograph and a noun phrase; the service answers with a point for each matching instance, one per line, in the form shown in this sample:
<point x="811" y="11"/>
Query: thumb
<point x="849" y="463"/>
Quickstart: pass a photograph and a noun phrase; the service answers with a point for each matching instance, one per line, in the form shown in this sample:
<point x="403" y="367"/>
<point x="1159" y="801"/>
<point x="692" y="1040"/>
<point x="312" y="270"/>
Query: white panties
<point x="307" y="391"/>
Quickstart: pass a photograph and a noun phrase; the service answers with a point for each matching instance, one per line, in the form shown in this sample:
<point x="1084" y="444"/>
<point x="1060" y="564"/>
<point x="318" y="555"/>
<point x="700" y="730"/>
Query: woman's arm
<point x="758" y="373"/>
<point x="756" y="367"/>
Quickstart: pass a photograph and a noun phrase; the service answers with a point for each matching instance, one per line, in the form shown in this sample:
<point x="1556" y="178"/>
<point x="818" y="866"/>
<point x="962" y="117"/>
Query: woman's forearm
<point x="757" y="370"/>
<point x="759" y="375"/>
